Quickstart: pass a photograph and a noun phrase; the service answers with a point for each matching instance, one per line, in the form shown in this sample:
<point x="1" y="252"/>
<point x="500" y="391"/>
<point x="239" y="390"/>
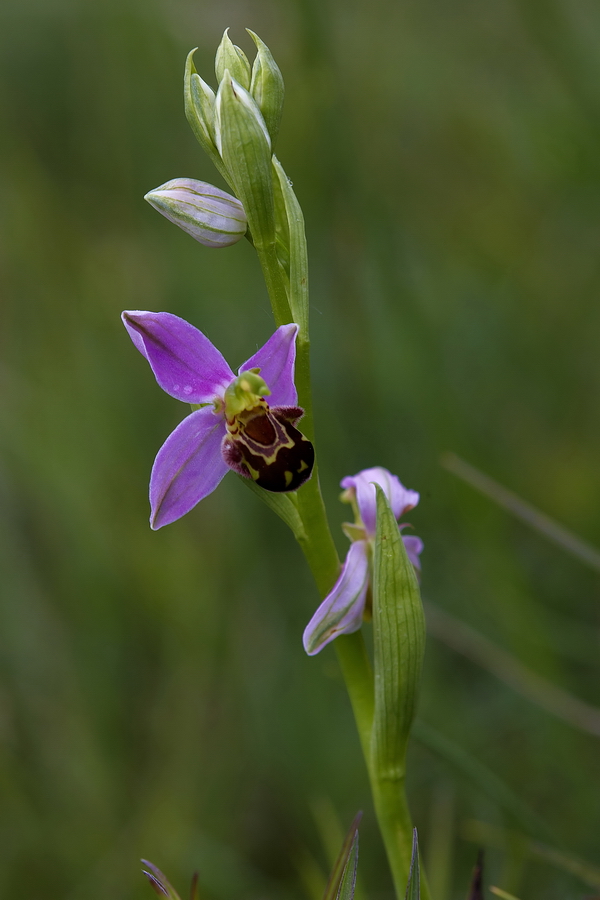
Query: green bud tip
<point x="231" y="57"/>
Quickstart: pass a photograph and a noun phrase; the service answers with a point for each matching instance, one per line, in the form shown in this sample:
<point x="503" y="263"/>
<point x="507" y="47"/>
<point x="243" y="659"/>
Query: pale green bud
<point x="245" y="392"/>
<point x="267" y="86"/>
<point x="199" y="101"/>
<point x="209" y="215"/>
<point x="233" y="58"/>
<point x="245" y="146"/>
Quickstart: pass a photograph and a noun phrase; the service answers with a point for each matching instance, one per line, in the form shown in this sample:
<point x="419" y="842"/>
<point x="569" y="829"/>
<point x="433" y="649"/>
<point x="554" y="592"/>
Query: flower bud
<point x="211" y="216"/>
<point x="199" y="101"/>
<point x="245" y="147"/>
<point x="267" y="86"/>
<point x="233" y="58"/>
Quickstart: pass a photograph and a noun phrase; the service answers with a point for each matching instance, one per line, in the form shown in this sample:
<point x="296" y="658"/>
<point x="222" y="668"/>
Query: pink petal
<point x="185" y="363"/>
<point x="188" y="467"/>
<point x="414" y="548"/>
<point x="341" y="612"/>
<point x="276" y="361"/>
<point x="400" y="498"/>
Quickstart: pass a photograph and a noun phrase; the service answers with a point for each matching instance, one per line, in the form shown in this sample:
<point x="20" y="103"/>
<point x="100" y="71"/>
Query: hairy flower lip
<point x="188" y="367"/>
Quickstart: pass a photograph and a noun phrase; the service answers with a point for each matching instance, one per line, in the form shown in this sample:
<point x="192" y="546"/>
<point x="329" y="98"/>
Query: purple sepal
<point x="414" y="548"/>
<point x="400" y="498"/>
<point x="276" y="361"/>
<point x="185" y="363"/>
<point x="188" y="467"/>
<point x="341" y="612"/>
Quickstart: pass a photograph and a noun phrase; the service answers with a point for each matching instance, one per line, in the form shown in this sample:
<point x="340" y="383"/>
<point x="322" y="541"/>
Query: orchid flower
<point x="232" y="426"/>
<point x="341" y="612"/>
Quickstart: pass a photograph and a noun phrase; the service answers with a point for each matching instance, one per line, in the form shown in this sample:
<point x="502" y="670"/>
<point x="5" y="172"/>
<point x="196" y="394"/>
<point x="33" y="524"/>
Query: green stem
<point x="356" y="668"/>
<point x="319" y="549"/>
<point x="267" y="256"/>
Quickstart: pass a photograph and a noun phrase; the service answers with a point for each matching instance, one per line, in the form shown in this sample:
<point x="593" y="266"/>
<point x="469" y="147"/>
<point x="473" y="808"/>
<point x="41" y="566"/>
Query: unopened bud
<point x="245" y="147"/>
<point x="209" y="215"/>
<point x="267" y="86"/>
<point x="199" y="105"/>
<point x="233" y="58"/>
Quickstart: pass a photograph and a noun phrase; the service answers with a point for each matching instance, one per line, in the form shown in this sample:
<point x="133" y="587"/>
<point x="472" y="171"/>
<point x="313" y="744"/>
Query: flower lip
<point x="401" y="499"/>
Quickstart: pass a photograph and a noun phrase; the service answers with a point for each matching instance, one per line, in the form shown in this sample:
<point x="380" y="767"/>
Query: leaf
<point x="159" y="881"/>
<point x="399" y="641"/>
<point x="413" y="888"/>
<point x="298" y="256"/>
<point x="538" y="520"/>
<point x="342" y="880"/>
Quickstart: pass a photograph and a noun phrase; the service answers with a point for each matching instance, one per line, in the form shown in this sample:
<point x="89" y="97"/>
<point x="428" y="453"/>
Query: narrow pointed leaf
<point x="413" y="888"/>
<point x="342" y="880"/>
<point x="348" y="882"/>
<point x="298" y="256"/>
<point x="399" y="641"/>
<point x="158" y="881"/>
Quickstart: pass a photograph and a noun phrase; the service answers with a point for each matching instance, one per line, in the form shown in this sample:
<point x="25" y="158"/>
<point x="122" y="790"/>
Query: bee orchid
<point x="342" y="611"/>
<point x="232" y="426"/>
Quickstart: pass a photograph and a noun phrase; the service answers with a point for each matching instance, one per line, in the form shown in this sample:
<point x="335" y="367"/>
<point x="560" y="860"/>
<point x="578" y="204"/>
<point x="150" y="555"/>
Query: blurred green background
<point x="155" y="699"/>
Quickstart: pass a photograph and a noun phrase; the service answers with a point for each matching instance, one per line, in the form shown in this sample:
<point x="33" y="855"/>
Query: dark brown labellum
<point x="263" y="444"/>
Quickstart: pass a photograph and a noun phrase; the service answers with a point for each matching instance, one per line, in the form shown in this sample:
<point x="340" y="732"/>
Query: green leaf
<point x="399" y="642"/>
<point x="159" y="882"/>
<point x="342" y="880"/>
<point x="298" y="256"/>
<point x="413" y="888"/>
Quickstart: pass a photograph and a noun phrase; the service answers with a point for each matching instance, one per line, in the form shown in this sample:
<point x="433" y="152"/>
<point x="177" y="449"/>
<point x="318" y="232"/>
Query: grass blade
<point x="413" y="888"/>
<point x="551" y="529"/>
<point x="342" y="880"/>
